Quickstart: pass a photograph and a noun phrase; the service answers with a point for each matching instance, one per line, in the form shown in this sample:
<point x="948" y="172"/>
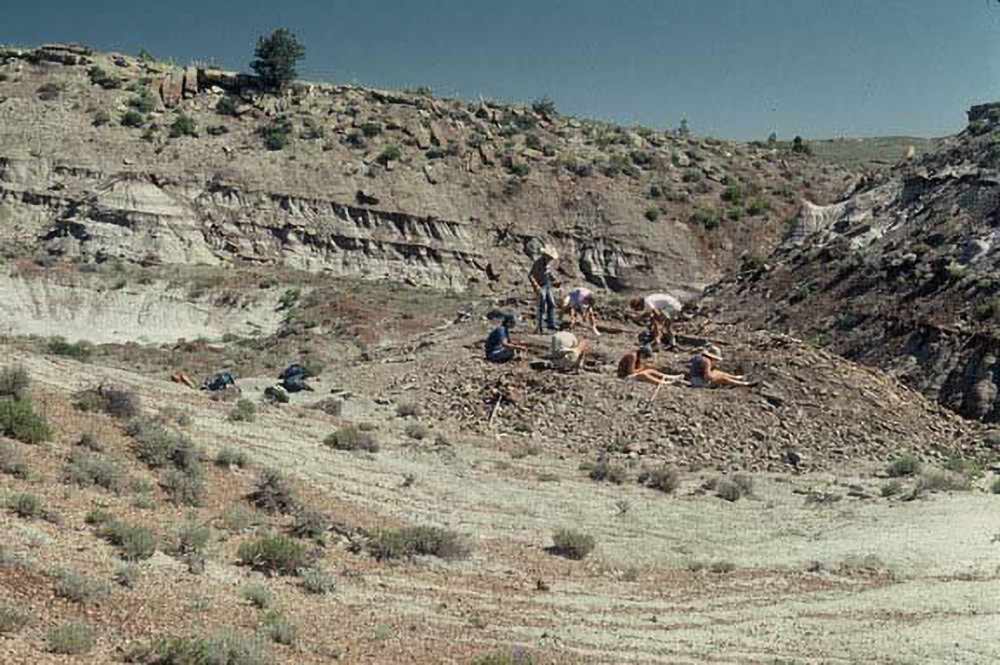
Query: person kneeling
<point x="631" y="366"/>
<point x="704" y="374"/>
<point x="567" y="351"/>
<point x="498" y="347"/>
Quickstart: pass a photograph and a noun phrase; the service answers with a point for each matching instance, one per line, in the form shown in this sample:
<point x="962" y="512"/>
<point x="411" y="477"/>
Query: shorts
<point x="501" y="355"/>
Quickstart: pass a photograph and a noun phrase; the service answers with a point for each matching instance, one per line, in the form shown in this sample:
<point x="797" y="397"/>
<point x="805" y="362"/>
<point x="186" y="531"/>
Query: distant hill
<point x="874" y="152"/>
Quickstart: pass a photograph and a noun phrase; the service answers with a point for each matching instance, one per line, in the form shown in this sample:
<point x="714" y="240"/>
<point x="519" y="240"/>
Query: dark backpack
<point x="219" y="381"/>
<point x="293" y="379"/>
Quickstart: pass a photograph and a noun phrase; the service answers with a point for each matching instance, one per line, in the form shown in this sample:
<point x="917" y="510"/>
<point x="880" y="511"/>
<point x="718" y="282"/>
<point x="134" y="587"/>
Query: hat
<point x="712" y="352"/>
<point x="551" y="252"/>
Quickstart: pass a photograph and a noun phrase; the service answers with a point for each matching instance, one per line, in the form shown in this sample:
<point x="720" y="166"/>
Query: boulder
<point x="171" y="90"/>
<point x="190" y="82"/>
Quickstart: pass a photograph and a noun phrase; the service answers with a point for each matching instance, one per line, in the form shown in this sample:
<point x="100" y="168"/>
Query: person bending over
<point x="580" y="302"/>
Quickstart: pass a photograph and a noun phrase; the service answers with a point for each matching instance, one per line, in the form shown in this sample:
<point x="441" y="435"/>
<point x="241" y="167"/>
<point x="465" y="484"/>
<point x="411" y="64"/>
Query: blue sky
<point x="735" y="68"/>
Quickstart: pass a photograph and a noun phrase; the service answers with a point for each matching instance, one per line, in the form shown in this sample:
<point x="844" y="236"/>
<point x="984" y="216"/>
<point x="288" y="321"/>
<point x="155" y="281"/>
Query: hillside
<point x="902" y="274"/>
<point x="389" y="184"/>
<point x="417" y="504"/>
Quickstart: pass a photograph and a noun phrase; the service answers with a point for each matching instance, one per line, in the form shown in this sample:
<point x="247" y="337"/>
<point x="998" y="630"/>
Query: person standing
<point x="542" y="279"/>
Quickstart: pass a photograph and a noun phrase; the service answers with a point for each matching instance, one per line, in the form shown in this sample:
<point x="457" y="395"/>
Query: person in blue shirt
<point x="499" y="348"/>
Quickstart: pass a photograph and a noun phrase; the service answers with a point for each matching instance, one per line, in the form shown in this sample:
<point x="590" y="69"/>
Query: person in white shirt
<point x="580" y="301"/>
<point x="658" y="311"/>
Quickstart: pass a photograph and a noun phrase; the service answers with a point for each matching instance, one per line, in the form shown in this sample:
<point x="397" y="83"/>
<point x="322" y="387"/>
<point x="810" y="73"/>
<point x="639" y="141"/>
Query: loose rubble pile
<point x="811" y="410"/>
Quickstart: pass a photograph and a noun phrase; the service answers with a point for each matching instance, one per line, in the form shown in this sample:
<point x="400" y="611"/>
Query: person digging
<point x="657" y="310"/>
<point x="704" y="374"/>
<point x="632" y="366"/>
<point x="567" y="351"/>
<point x="580" y="302"/>
<point x="542" y="280"/>
<point x="498" y="347"/>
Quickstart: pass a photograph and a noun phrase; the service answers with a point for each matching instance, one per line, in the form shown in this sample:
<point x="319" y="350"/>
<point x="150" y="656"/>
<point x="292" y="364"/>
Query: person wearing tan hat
<point x="542" y="279"/>
<point x="704" y="374"/>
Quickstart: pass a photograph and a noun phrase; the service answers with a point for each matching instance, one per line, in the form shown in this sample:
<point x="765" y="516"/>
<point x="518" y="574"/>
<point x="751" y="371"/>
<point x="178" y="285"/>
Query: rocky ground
<point x="821" y="559"/>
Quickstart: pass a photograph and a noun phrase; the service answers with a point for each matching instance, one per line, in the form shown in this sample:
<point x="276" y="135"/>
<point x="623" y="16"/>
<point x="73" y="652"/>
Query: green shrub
<point x="391" y="153"/>
<point x="15" y="382"/>
<point x="274" y="554"/>
<point x="157" y="447"/>
<point x="572" y="544"/>
<point x="12" y="619"/>
<point x="995" y="486"/>
<point x="408" y="409"/>
<point x="728" y="489"/>
<point x="237" y="519"/>
<point x="311" y="524"/>
<point x="544" y="106"/>
<point x="230" y="456"/>
<point x="98" y="516"/>
<point x="73" y="638"/>
<point x="407" y="542"/>
<point x="101" y="118"/>
<point x="279" y="629"/>
<point x="520" y="169"/>
<point x="226" y="648"/>
<point x="273" y="493"/>
<point x="100" y="77"/>
<point x="758" y="206"/>
<point x="735" y="214"/>
<point x="18" y="420"/>
<point x="516" y="656"/>
<point x="12" y="462"/>
<point x="77" y="350"/>
<point x="664" y="478"/>
<point x="227" y="106"/>
<point x="127" y="575"/>
<point x="276" y="134"/>
<point x="185" y="487"/>
<point x="143" y="103"/>
<point x="371" y="129"/>
<point x="939" y="480"/>
<point x="351" y="438"/>
<point x="904" y="465"/>
<point x="258" y="595"/>
<point x="317" y="581"/>
<point x="134" y="543"/>
<point x="183" y="125"/>
<point x="133" y="118"/>
<point x="733" y="194"/>
<point x="118" y="402"/>
<point x="87" y="469"/>
<point x="26" y="506"/>
<point x="244" y="411"/>
<point x="90" y="442"/>
<point x="800" y="146"/>
<point x="891" y="488"/>
<point x="78" y="588"/>
<point x="605" y="470"/>
<point x="706" y="217"/>
<point x="652" y="214"/>
<point x="417" y="431"/>
<point x="312" y="130"/>
<point x="745" y="482"/>
<point x="191" y="538"/>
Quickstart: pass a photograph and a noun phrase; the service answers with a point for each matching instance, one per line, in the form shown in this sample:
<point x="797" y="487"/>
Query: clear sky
<point x="735" y="68"/>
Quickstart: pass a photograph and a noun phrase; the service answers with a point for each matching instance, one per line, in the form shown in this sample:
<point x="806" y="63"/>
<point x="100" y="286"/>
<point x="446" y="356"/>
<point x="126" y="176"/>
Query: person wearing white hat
<point x="580" y="301"/>
<point x="542" y="279"/>
<point x="704" y="374"/>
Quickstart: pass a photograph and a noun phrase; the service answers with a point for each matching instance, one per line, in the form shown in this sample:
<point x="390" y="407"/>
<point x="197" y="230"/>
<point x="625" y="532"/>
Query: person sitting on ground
<point x="658" y="310"/>
<point x="568" y="351"/>
<point x="704" y="374"/>
<point x="542" y="280"/>
<point x="499" y="348"/>
<point x="580" y="301"/>
<point x="631" y="366"/>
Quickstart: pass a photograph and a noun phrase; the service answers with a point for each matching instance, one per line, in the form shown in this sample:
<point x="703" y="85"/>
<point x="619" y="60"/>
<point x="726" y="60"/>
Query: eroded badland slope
<point x="829" y="514"/>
